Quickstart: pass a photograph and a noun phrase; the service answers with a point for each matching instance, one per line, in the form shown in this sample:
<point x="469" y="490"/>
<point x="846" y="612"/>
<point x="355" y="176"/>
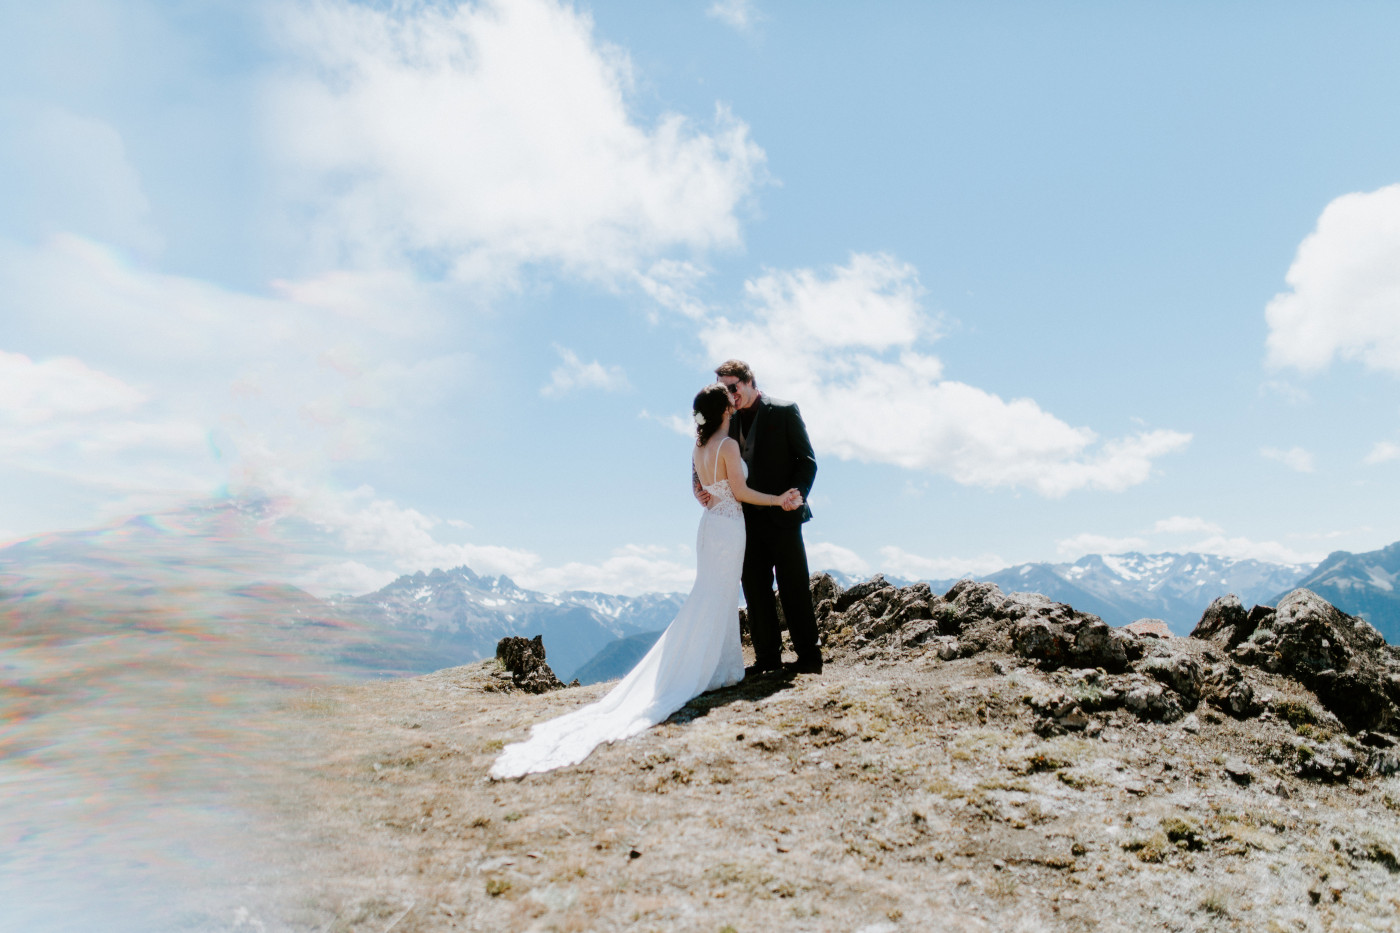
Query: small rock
<point x="1151" y="628"/>
<point x="765" y="738"/>
<point x="1191" y="724"/>
<point x="1238" y="771"/>
<point x="1384" y="761"/>
<point x="1075" y="720"/>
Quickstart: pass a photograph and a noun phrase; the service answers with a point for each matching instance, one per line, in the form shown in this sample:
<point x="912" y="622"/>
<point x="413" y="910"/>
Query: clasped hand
<point x="792" y="499"/>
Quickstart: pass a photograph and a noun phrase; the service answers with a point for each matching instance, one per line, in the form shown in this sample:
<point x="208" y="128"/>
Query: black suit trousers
<point x="770" y="550"/>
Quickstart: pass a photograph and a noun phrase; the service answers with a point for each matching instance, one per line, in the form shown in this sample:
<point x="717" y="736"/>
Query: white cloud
<point x="682" y="426"/>
<point x="1295" y="458"/>
<point x="901" y="563"/>
<point x="672" y="283"/>
<point x="845" y="346"/>
<point x="1383" y="452"/>
<point x="1087" y="543"/>
<point x="1293" y="395"/>
<point x="1216" y="542"/>
<point x="737" y="14"/>
<point x="1344" y="298"/>
<point x="231" y="384"/>
<point x="349" y="577"/>
<point x="35" y="392"/>
<point x="493" y="135"/>
<point x="365" y="540"/>
<point x="1181" y="524"/>
<point x="823" y="555"/>
<point x="629" y="571"/>
<point x="576" y="374"/>
<point x="1246" y="549"/>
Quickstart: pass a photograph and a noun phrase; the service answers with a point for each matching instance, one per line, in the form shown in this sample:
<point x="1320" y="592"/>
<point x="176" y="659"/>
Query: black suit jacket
<point x="779" y="456"/>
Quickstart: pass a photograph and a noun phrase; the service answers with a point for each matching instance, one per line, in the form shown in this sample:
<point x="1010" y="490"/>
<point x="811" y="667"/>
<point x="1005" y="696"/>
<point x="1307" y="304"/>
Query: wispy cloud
<point x="575" y="374"/>
<point x="1183" y="534"/>
<point x="629" y="570"/>
<point x="1077" y="546"/>
<point x="1242" y="548"/>
<point x="915" y="567"/>
<point x="847" y="345"/>
<point x="36" y="392"/>
<point x="823" y="555"/>
<point x="1295" y="458"/>
<point x="1290" y="393"/>
<point x="1383" y="452"/>
<point x="1181" y="524"/>
<point x="741" y="15"/>
<point x="682" y="426"/>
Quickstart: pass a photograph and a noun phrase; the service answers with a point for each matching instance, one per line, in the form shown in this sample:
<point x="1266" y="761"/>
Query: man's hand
<point x="701" y="496"/>
<point x="792" y="500"/>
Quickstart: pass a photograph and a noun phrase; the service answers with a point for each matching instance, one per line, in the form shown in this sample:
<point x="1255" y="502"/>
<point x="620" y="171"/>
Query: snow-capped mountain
<point x="463" y="615"/>
<point x="1366" y="585"/>
<point x="1121" y="588"/>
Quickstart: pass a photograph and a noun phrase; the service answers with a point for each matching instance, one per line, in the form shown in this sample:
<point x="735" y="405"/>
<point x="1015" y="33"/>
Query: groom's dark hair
<point x="736" y="368"/>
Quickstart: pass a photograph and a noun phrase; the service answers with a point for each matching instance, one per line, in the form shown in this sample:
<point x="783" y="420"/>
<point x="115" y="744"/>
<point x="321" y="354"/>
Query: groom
<point x="773" y="442"/>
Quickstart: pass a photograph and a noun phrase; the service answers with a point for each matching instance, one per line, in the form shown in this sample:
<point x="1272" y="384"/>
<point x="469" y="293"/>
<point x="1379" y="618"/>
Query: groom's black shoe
<point x="759" y="670"/>
<point x="810" y="665"/>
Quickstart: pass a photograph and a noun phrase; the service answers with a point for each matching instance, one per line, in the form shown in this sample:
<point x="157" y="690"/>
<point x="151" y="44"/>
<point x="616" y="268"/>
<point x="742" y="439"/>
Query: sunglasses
<point x="734" y="389"/>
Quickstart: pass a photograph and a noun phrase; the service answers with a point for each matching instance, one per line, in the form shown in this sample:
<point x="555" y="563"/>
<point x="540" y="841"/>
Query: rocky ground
<point x="970" y="761"/>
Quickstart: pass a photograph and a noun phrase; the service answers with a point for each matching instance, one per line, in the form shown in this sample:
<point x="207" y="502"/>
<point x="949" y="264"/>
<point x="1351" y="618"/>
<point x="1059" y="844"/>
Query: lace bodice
<point x="724" y="504"/>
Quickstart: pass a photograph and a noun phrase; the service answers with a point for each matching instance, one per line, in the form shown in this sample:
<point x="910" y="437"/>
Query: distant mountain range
<point x="458" y="614"/>
<point x="426" y="621"/>
<point x="1175" y="588"/>
<point x="1362" y="584"/>
<point x="1122" y="588"/>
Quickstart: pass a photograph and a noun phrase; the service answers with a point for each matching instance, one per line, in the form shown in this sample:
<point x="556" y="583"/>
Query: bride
<point x="699" y="651"/>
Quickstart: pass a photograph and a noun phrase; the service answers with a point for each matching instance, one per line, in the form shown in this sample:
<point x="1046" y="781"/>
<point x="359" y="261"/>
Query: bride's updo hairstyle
<point x="709" y="407"/>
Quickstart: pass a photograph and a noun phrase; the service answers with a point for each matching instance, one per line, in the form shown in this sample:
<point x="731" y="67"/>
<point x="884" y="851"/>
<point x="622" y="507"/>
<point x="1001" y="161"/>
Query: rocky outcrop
<point x="523" y="658"/>
<point x="971" y="618"/>
<point x="1341" y="658"/>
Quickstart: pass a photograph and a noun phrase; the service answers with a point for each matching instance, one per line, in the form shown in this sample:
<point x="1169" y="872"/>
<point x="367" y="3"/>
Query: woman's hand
<point x="791" y="500"/>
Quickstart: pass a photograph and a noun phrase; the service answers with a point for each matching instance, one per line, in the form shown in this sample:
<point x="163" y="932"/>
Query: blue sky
<point x="1046" y="279"/>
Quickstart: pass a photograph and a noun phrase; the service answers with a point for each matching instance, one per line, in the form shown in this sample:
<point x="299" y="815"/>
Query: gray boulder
<point x="1181" y="672"/>
<point x="1342" y="659"/>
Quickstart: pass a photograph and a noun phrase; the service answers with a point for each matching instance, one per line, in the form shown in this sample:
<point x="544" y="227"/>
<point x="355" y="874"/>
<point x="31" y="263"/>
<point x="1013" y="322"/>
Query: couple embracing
<point x="752" y="468"/>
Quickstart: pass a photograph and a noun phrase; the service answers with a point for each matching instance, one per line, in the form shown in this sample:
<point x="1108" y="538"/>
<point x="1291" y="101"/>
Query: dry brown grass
<point x="914" y="796"/>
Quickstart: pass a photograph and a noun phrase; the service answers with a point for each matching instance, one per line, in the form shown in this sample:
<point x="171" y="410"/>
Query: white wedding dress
<point x="699" y="651"/>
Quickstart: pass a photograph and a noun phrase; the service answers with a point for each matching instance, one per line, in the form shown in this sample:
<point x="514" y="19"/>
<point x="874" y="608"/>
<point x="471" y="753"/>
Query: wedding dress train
<point x="698" y="652"/>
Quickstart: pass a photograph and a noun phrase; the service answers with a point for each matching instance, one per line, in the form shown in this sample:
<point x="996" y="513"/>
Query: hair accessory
<point x="699" y="419"/>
